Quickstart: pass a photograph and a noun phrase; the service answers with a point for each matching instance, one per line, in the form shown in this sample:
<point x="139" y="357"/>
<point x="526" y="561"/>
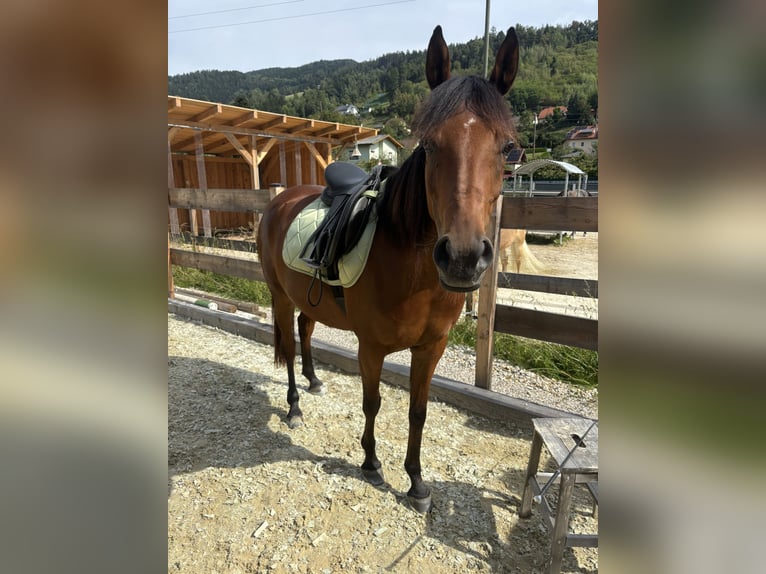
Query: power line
<point x="289" y="17"/>
<point x="233" y="9"/>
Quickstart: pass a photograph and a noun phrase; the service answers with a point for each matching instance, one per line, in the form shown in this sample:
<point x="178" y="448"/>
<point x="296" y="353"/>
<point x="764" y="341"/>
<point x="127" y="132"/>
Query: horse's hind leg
<point x="305" y="330"/>
<point x="284" y="352"/>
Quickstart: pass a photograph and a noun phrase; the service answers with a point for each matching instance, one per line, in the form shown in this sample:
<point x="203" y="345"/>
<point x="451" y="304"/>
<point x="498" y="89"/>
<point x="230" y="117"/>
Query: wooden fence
<point x="549" y="213"/>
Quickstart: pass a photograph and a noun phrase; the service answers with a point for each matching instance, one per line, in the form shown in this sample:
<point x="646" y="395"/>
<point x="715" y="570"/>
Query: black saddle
<point x="349" y="213"/>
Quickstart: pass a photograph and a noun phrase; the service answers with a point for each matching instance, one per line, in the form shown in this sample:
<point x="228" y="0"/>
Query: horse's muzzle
<point x="460" y="268"/>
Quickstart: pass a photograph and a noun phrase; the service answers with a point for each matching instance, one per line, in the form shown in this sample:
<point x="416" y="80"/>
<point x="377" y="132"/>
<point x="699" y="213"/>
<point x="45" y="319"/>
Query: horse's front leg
<point x="305" y="330"/>
<point x="424" y="360"/>
<point x="370" y="366"/>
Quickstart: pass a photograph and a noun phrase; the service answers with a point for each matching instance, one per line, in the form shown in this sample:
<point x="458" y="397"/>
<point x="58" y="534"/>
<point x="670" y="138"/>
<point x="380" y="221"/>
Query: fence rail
<point x="535" y="213"/>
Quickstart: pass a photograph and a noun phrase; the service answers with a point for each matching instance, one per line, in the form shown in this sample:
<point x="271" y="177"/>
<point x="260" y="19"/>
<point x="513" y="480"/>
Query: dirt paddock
<point x="247" y="494"/>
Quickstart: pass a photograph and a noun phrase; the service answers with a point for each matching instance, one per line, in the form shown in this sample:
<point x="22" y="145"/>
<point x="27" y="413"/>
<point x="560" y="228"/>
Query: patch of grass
<point x="569" y="364"/>
<point x="223" y="285"/>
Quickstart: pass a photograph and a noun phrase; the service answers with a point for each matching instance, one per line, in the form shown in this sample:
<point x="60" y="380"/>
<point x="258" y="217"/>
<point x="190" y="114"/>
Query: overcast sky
<point x="256" y="34"/>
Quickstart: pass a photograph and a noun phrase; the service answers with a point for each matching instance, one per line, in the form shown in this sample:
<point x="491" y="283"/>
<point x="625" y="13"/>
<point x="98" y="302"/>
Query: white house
<point x="348" y="110"/>
<point x="582" y="139"/>
<point x="382" y="147"/>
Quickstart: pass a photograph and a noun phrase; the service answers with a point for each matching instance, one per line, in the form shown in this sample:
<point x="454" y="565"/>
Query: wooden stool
<point x="561" y="437"/>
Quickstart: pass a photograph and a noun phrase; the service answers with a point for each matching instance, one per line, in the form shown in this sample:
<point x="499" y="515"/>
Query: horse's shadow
<point x="219" y="416"/>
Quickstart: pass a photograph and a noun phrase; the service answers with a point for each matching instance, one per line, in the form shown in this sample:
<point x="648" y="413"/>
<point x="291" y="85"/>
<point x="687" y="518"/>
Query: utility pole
<point x="534" y="137"/>
<point x="486" y="43"/>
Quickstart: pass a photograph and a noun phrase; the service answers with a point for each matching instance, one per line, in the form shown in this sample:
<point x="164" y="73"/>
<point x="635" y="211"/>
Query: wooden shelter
<point x="217" y="146"/>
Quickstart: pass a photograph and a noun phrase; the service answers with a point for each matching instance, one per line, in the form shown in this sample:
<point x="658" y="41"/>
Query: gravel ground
<point x="247" y="494"/>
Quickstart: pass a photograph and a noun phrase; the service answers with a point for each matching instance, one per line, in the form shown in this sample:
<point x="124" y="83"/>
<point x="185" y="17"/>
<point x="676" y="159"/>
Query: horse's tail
<point x="527" y="262"/>
<point x="279" y="355"/>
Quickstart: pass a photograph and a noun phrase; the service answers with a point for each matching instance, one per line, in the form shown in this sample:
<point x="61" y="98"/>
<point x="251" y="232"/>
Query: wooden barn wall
<point x="287" y="162"/>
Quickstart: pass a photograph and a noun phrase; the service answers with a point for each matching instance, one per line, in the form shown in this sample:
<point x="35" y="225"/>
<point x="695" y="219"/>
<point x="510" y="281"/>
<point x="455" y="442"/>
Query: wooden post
<point x="275" y="189"/>
<point x="199" y="153"/>
<point x="256" y="180"/>
<point x="485" y="324"/>
<point x="175" y="229"/>
<point x="282" y="163"/>
<point x="298" y="165"/>
<point x="171" y="288"/>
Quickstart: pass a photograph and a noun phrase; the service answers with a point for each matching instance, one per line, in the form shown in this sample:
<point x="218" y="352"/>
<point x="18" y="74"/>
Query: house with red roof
<point x="582" y="139"/>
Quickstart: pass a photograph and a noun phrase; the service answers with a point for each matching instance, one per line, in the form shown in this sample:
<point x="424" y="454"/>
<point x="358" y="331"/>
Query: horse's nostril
<point x="441" y="253"/>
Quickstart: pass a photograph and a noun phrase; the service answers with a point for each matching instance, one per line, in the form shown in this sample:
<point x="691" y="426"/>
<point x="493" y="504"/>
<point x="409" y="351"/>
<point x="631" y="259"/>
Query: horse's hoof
<point x="421" y="505"/>
<point x="317" y="389"/>
<point x="294" y="422"/>
<point x="374" y="477"/>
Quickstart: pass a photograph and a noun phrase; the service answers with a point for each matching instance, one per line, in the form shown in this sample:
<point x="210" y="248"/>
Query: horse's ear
<point x="506" y="63"/>
<point x="437" y="59"/>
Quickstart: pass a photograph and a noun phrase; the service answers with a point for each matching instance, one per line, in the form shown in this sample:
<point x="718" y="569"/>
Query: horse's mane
<point x="404" y="207"/>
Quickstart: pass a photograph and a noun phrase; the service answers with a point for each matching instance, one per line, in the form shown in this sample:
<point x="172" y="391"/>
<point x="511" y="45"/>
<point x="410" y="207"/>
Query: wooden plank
<point x="548" y="284"/>
<point x="552" y="327"/>
<point x="282" y="164"/>
<point x="265" y="149"/>
<point x="480" y="401"/>
<point x="244" y="118"/>
<point x="243" y="268"/>
<point x="298" y="167"/>
<point x="246" y="154"/>
<point x="173" y="103"/>
<point x="255" y="178"/>
<point x="317" y="156"/>
<point x="308" y="124"/>
<point x="175" y="228"/>
<point x="207" y="114"/>
<point x="327" y="130"/>
<point x="550" y="213"/>
<point x="242" y="200"/>
<point x="262" y="131"/>
<point x="485" y="323"/>
<point x="171" y="287"/>
<point x="280" y="120"/>
<point x="220" y="242"/>
<point x="199" y="154"/>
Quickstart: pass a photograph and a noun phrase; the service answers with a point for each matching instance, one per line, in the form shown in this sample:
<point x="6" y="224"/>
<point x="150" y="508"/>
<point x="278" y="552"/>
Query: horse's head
<point x="466" y="131"/>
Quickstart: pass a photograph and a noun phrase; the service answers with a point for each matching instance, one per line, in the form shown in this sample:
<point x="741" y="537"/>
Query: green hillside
<point x="559" y="66"/>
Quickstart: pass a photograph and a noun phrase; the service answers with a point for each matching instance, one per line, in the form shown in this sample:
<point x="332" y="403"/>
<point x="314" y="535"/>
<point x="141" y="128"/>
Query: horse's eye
<point x="508" y="147"/>
<point x="427" y="145"/>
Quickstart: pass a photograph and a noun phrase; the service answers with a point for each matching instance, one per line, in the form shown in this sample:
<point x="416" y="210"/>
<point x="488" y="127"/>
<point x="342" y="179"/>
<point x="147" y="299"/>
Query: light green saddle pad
<point x="350" y="266"/>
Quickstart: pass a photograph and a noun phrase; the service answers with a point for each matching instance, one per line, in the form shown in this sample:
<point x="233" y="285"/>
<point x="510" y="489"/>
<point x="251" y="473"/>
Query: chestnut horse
<point x="430" y="248"/>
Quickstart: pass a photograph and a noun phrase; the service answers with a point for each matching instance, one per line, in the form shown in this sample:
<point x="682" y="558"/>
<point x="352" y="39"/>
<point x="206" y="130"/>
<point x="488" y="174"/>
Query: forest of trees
<point x="558" y="67"/>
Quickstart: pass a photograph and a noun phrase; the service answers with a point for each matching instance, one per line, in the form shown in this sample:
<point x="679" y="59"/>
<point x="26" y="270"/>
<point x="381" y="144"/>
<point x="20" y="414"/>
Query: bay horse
<point x="430" y="248"/>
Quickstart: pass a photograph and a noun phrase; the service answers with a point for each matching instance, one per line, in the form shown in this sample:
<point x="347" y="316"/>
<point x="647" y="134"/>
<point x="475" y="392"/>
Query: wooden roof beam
<point x="248" y="157"/>
<point x="275" y="122"/>
<point x="189" y="141"/>
<point x="265" y="149"/>
<point x="173" y="103"/>
<point x="207" y="114"/>
<point x="328" y="130"/>
<point x="308" y="124"/>
<point x="244" y="118"/>
<point x="321" y="160"/>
